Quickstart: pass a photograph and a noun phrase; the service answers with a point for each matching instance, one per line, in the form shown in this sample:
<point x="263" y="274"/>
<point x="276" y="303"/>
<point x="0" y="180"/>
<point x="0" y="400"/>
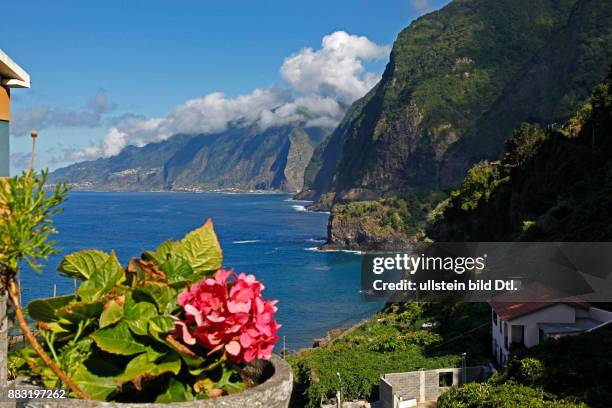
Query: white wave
<point x="291" y="200"/>
<point x="247" y="241"/>
<point x="315" y="240"/>
<point x="348" y="251"/>
<point x="299" y="208"/>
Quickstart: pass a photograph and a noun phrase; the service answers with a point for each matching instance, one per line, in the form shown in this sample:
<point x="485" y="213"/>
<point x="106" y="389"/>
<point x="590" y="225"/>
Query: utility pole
<point x="463" y="369"/>
<point x="339" y="393"/>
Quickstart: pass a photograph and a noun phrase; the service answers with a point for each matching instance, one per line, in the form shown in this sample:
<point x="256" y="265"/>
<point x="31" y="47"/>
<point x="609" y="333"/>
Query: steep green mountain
<point x="242" y="158"/>
<point x="458" y="81"/>
<point x="553" y="184"/>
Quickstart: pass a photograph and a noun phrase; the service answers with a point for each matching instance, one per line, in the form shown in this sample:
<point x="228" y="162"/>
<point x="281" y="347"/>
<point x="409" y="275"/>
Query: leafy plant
<point x="502" y="396"/>
<point x="116" y="338"/>
<point x="26" y="212"/>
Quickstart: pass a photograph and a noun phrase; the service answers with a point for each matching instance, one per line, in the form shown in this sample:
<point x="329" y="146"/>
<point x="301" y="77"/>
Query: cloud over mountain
<point x="336" y="69"/>
<point x="319" y="85"/>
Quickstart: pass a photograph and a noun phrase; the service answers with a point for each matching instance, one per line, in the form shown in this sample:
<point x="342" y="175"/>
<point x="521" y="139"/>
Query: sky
<point x="115" y="73"/>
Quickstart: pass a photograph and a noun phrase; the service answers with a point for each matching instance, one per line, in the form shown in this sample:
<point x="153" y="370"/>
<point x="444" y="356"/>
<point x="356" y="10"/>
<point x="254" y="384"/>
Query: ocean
<point x="268" y="235"/>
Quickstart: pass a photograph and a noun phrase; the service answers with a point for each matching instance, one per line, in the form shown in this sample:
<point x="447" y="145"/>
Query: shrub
<point x="527" y="371"/>
<point x="501" y="396"/>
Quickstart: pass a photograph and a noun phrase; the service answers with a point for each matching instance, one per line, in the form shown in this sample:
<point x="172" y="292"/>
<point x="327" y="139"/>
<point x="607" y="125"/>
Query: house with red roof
<point x="536" y="313"/>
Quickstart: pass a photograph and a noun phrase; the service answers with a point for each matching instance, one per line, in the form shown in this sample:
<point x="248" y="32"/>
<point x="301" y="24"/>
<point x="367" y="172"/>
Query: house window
<point x="445" y="379"/>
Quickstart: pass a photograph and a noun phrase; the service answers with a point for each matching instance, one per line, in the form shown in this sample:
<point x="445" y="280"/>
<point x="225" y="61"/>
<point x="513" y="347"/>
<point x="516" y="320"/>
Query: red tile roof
<point x="532" y="298"/>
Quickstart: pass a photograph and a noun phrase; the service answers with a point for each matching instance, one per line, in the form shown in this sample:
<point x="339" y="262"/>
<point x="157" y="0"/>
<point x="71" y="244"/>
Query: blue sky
<point x="94" y="64"/>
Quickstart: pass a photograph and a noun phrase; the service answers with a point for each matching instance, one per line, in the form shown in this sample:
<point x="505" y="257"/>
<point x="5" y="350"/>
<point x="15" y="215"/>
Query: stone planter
<point x="275" y="392"/>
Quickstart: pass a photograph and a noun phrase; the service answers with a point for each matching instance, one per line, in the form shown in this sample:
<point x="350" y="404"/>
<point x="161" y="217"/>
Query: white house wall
<point x="599" y="314"/>
<point x="558" y="313"/>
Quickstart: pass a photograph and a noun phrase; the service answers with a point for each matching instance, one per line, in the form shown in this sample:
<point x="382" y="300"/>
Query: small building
<point x="11" y="76"/>
<point x="422" y="388"/>
<point x="528" y="323"/>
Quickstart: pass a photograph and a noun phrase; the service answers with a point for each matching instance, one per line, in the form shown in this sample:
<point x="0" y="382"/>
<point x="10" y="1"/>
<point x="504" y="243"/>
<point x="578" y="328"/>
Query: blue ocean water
<point x="264" y="234"/>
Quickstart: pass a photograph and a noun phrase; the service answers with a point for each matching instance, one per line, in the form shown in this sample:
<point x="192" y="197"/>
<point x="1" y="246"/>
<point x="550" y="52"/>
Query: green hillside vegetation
<point x="502" y="396"/>
<point x="548" y="90"/>
<point x="392" y="341"/>
<point x="553" y="184"/>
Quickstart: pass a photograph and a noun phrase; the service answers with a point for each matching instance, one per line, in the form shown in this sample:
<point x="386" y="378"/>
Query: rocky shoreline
<point x="362" y="226"/>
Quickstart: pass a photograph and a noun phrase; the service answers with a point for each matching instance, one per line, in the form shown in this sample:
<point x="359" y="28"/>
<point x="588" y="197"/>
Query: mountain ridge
<point x="240" y="158"/>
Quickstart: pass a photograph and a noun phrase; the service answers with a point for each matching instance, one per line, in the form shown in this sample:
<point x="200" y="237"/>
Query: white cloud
<point x="336" y="69"/>
<point x="321" y="83"/>
<point x="41" y="117"/>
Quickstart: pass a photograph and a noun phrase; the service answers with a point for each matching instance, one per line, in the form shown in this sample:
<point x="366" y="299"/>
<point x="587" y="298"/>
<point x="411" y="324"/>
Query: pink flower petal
<point x="233" y="348"/>
<point x="185" y="335"/>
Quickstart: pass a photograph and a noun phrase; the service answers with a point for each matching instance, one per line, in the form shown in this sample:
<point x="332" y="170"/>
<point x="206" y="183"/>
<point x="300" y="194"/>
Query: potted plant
<point x="173" y="326"/>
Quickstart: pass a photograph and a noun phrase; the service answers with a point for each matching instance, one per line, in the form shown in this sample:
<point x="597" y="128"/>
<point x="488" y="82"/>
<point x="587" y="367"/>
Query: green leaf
<point x="78" y="311"/>
<point x="112" y="313"/>
<point x="160" y="325"/>
<point x="138" y="315"/>
<point x="100" y="388"/>
<point x="177" y="270"/>
<point x="56" y="327"/>
<point x="162" y="252"/>
<point x="154" y="355"/>
<point x="82" y="264"/>
<point x="201" y="249"/>
<point x="226" y="383"/>
<point x="44" y="309"/>
<point x="72" y="355"/>
<point x="159" y="293"/>
<point x="118" y="340"/>
<point x="141" y="366"/>
<point x="176" y="391"/>
<point x="102" y="280"/>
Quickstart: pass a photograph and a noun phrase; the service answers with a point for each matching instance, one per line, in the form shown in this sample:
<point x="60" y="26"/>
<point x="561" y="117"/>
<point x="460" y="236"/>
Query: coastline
<point x="183" y="191"/>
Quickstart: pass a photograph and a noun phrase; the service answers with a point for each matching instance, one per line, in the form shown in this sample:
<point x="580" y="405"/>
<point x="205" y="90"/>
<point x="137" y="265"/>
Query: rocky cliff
<point x="379" y="225"/>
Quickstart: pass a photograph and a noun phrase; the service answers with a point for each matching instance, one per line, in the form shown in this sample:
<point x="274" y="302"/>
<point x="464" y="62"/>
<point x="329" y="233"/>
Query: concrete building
<point x="11" y="76"/>
<point x="526" y="324"/>
<point x="422" y="388"/>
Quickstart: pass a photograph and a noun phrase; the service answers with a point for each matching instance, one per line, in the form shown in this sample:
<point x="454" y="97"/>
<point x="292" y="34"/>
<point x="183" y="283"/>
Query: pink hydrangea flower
<point x="228" y="312"/>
